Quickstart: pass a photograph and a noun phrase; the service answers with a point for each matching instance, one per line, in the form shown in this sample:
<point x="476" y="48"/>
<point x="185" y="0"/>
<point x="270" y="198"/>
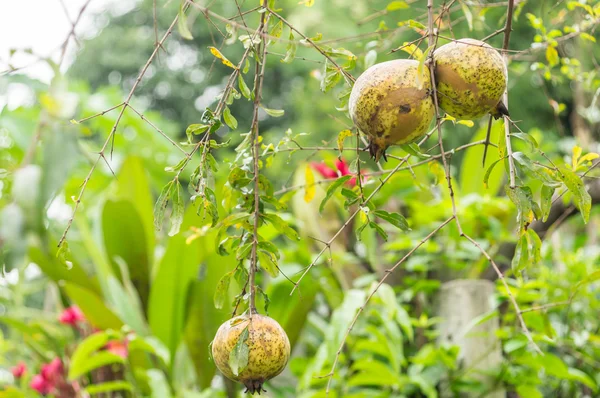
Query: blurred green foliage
<point x="164" y="291"/>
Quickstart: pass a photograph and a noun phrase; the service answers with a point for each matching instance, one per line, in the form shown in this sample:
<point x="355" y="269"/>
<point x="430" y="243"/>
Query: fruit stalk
<point x="258" y="82"/>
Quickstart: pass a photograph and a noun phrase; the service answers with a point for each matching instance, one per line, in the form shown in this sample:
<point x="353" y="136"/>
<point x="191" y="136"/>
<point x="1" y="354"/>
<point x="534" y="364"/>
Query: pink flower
<point x="118" y="347"/>
<point x="324" y="170"/>
<point x="71" y="316"/>
<point x="41" y="385"/>
<point x="341" y="169"/>
<point x="52" y="371"/>
<point x="19" y="370"/>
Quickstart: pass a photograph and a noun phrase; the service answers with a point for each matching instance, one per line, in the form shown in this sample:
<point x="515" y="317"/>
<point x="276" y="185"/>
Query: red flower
<point x="117" y="347"/>
<point x="52" y="371"/>
<point x="41" y="385"/>
<point x="19" y="370"/>
<point x="324" y="170"/>
<point x="342" y="170"/>
<point x="71" y="316"/>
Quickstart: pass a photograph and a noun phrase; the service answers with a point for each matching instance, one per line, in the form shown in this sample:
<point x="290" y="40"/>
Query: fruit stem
<point x="258" y="83"/>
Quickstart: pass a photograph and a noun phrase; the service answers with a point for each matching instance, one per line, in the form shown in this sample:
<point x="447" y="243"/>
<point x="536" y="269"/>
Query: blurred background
<point x="126" y="309"/>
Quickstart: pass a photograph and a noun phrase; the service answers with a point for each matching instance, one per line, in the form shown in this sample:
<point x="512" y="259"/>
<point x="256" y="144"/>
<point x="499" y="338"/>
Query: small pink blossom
<point x="41" y="385"/>
<point x="341" y="169"/>
<point x="118" y="347"/>
<point x="19" y="370"/>
<point x="71" y="316"/>
<point x="52" y="371"/>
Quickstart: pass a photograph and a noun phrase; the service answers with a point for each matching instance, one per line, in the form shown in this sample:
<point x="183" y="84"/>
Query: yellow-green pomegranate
<point x="391" y="103"/>
<point x="470" y="79"/>
<point x="251" y="349"/>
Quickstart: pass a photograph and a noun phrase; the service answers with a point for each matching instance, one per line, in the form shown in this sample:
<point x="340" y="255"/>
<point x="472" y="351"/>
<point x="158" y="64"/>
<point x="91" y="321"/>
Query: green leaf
<point x="414" y="150"/>
<point x="178" y="209"/>
<point x="158" y="384"/>
<point x="125" y="238"/>
<point x="581" y="197"/>
<point x="238" y="358"/>
<point x="82" y="359"/>
<point x="555" y="366"/>
<point x="331" y="76"/>
<point x="290" y="53"/>
<point x="161" y="205"/>
<point x="582" y="377"/>
<point x="126" y="305"/>
<point x="397" y="220"/>
<point x="96" y="361"/>
<point x="529" y="391"/>
<point x="237" y="178"/>
<point x="534" y="244"/>
<point x="269" y="247"/>
<point x="273" y="112"/>
<point x="178" y="166"/>
<point x="489" y="170"/>
<point x="244" y="89"/>
<point x="234" y="218"/>
<point x="468" y="15"/>
<point x="521" y="257"/>
<point x="268" y="262"/>
<point x="281" y="226"/>
<point x="331" y="190"/>
<point x="396" y="5"/>
<point x="93" y="307"/>
<point x="229" y="119"/>
<point x="527" y="138"/>
<point x="546" y="200"/>
<point x="173" y="275"/>
<point x="587" y="36"/>
<point x="201" y="317"/>
<point x="526" y="207"/>
<point x="184" y="31"/>
<point x="277" y="29"/>
<point x="222" y="291"/>
<point x="370" y="58"/>
<point x="379" y="230"/>
<point x="109" y="386"/>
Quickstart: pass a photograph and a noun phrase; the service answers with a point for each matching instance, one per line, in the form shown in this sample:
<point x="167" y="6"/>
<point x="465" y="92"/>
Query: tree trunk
<point x="480" y="357"/>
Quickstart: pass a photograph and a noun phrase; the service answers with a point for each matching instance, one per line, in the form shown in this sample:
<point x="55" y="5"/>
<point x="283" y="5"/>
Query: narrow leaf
<point x="393" y="218"/>
<point x="309" y="188"/>
<point x="238" y="358"/>
<point x="178" y="209"/>
<point x="281" y="226"/>
<point x="184" y="31"/>
<point x="331" y="190"/>
<point x="222" y="290"/>
<point x="214" y="51"/>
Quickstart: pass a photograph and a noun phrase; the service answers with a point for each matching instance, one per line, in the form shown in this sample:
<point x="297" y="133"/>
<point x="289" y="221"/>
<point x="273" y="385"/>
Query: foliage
<point x="268" y="203"/>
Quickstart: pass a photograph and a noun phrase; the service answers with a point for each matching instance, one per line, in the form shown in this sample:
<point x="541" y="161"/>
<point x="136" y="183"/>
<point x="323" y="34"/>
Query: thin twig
<point x="258" y="84"/>
<point x="362" y="307"/>
<point x="111" y="135"/>
<point x="159" y="130"/>
<point x="347" y="76"/>
<point x="508" y="292"/>
<point x="347" y="222"/>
